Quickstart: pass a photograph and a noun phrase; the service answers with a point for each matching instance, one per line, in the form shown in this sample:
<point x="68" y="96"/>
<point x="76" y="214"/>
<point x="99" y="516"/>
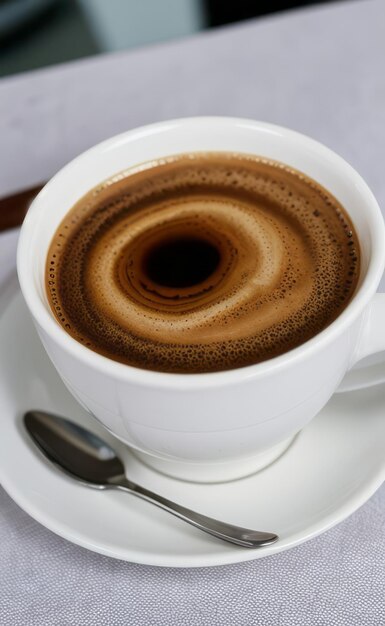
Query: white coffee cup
<point x="223" y="425"/>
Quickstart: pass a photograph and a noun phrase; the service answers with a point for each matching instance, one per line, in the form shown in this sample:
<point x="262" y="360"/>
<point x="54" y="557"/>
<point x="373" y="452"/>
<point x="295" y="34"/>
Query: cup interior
<point x="191" y="135"/>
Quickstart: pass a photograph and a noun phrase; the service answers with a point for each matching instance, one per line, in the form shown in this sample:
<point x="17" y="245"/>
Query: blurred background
<point x="38" y="33"/>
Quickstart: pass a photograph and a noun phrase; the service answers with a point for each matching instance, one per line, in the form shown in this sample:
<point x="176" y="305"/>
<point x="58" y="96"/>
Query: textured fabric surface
<point x="338" y="578"/>
<point x="319" y="71"/>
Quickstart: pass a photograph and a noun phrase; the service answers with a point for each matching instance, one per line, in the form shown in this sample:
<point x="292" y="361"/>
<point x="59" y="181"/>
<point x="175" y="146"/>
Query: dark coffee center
<point x="182" y="262"/>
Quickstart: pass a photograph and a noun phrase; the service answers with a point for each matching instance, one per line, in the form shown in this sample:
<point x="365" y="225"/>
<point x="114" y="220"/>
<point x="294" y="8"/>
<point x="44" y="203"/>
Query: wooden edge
<point x="14" y="207"/>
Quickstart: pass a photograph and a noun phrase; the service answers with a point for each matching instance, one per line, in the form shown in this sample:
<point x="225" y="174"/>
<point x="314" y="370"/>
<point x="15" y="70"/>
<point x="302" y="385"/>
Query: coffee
<point x="202" y="262"/>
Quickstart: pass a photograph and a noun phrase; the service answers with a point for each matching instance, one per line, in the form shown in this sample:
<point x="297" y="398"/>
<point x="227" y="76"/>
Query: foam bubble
<point x="288" y="263"/>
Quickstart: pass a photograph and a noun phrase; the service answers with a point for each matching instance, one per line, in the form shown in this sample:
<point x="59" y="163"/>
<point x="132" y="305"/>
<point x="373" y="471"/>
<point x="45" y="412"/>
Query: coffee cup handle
<point x="371" y="342"/>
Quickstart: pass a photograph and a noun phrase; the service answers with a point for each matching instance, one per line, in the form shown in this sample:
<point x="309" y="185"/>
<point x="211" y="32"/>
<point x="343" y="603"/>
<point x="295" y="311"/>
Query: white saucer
<point x="331" y="469"/>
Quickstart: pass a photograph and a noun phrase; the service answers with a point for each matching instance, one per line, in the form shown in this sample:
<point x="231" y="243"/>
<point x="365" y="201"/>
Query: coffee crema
<point x="202" y="262"/>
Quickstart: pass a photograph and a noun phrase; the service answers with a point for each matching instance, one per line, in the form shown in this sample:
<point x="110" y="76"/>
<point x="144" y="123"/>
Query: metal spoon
<point x="89" y="459"/>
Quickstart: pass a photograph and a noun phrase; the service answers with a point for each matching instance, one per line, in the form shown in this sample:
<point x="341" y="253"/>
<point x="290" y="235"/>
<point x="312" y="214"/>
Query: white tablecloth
<point x="320" y="71"/>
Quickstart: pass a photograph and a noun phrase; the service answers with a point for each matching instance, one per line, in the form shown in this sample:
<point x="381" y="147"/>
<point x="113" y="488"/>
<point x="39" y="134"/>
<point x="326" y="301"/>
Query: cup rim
<point x="124" y="372"/>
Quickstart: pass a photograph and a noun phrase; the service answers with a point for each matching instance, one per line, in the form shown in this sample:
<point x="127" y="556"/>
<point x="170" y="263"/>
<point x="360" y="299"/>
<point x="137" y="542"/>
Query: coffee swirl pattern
<point x="202" y="262"/>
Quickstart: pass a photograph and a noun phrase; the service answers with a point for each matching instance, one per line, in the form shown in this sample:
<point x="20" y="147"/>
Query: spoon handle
<point x="228" y="532"/>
